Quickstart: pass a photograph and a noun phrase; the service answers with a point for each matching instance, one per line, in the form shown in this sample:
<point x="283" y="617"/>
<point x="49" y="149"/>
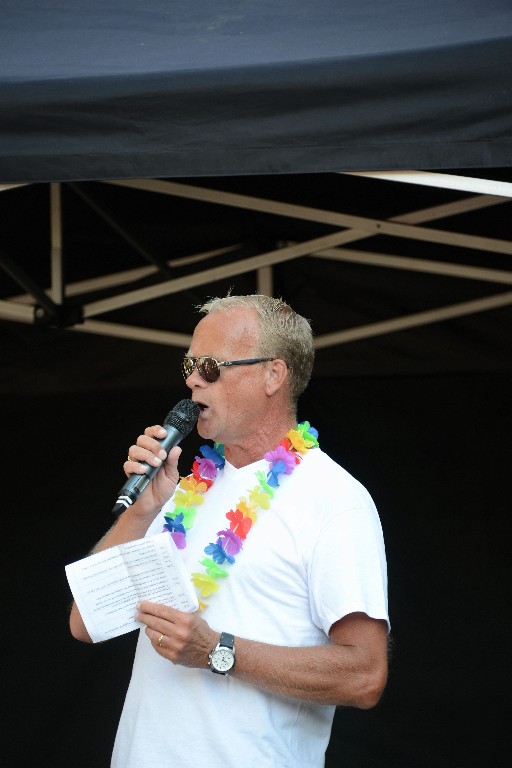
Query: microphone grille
<point x="183" y="417"/>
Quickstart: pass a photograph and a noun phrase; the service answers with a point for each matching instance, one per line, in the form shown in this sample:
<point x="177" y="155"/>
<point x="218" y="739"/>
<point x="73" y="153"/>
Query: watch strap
<point x="227" y="640"/>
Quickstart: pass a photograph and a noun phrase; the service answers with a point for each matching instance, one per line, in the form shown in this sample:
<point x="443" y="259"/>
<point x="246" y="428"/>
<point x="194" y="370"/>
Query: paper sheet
<point x="107" y="586"/>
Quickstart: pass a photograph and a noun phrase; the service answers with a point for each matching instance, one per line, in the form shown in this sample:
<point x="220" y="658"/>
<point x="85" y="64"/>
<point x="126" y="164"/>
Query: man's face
<point x="233" y="406"/>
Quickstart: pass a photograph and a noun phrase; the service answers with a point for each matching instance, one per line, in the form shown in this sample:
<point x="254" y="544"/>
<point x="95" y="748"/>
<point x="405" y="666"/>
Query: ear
<point x="276" y="375"/>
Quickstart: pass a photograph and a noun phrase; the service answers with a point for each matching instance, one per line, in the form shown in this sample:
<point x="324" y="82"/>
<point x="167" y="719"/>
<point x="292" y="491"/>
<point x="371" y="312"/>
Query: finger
<point x="156" y="431"/>
<point x="131" y="465"/>
<point x="134" y="455"/>
<point x="147" y="450"/>
<point x="157" y="630"/>
<point x="149" y="613"/>
<point x="135" y="466"/>
<point x="140" y="457"/>
<point x="149" y="444"/>
<point x="164" y="645"/>
<point x="166" y="641"/>
<point x="178" y="627"/>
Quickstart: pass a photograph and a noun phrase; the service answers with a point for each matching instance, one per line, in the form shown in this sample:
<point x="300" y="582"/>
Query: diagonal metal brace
<point x="148" y="255"/>
<point x="25" y="281"/>
<point x="46" y="311"/>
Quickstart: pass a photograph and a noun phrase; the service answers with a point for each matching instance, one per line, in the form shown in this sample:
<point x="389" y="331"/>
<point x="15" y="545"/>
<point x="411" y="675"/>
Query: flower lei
<point x="191" y="489"/>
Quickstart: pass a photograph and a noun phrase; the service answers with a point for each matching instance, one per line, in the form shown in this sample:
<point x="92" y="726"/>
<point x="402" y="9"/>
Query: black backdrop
<point x="434" y="452"/>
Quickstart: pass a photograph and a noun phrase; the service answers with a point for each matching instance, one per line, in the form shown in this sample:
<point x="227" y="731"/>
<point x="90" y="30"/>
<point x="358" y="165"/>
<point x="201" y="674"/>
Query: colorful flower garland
<point x="191" y="489"/>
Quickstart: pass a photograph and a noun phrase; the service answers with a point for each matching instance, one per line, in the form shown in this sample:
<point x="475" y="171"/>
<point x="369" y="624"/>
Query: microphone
<point x="179" y="423"/>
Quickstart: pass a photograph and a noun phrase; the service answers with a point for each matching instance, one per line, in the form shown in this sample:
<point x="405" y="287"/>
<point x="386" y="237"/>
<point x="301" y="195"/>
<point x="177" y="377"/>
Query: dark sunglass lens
<point x="208" y="369"/>
<point x="187" y="366"/>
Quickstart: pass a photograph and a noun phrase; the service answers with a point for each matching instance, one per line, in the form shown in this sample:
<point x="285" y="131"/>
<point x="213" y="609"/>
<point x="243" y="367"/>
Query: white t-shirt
<point x="316" y="555"/>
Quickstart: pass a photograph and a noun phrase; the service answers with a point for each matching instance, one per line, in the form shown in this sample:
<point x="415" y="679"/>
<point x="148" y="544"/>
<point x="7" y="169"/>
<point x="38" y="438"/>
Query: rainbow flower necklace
<point x="191" y="489"/>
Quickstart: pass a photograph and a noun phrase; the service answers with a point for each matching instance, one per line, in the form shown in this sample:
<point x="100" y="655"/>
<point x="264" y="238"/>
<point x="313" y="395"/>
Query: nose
<point x="194" y="379"/>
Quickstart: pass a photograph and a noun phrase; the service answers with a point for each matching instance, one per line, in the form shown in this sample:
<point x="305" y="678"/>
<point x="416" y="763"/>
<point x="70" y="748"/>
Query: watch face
<point x="222" y="659"/>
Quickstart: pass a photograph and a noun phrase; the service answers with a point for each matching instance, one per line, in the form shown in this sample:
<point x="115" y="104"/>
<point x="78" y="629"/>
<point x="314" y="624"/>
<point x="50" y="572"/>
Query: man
<point x="289" y="564"/>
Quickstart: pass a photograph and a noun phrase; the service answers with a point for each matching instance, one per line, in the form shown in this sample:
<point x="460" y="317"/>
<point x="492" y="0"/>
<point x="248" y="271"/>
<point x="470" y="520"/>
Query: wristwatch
<point x="221" y="659"/>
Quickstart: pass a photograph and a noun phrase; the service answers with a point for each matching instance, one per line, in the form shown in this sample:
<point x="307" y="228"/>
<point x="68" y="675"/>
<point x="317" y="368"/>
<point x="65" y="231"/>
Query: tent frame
<point x="37" y="305"/>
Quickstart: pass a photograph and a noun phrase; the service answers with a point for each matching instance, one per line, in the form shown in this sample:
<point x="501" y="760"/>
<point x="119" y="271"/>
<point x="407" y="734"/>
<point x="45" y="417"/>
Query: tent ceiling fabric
<point x="190" y="88"/>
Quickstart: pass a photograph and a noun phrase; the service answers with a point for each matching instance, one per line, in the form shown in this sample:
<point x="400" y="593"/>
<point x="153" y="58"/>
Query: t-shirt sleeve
<point x="347" y="569"/>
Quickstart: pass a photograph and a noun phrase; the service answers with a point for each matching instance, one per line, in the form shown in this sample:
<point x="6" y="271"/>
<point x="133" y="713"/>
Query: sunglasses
<point x="209" y="368"/>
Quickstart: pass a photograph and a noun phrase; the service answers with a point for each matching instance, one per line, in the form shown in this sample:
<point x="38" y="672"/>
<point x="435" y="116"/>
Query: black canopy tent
<point x="194" y="111"/>
<point x="194" y="88"/>
<point x="132" y="92"/>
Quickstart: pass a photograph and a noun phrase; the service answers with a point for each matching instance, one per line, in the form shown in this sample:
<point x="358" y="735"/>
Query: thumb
<point x="170" y="466"/>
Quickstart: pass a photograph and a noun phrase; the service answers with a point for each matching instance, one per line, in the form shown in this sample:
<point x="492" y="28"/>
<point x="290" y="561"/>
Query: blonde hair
<point x="283" y="334"/>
